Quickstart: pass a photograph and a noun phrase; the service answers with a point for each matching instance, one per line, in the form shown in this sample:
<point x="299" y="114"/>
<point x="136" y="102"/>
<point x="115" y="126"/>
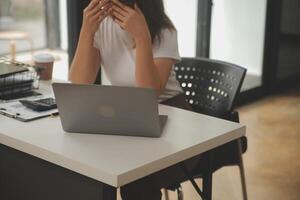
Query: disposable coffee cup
<point x="45" y="62"/>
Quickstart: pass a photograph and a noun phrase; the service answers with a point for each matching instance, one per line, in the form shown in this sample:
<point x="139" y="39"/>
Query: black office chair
<point x="211" y="88"/>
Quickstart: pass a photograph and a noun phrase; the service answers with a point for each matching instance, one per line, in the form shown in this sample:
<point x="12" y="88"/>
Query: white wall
<point x="238" y="32"/>
<point x="183" y="13"/>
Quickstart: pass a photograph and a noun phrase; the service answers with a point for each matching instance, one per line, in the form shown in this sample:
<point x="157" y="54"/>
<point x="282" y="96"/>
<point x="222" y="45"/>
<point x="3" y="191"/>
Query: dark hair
<point x="156" y="17"/>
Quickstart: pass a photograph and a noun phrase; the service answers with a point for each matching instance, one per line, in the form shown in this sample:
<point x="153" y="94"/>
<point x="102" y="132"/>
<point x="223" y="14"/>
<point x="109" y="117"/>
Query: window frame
<point x="204" y="28"/>
<point x="52" y="22"/>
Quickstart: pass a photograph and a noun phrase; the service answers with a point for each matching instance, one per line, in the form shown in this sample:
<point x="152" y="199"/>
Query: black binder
<point x="10" y="69"/>
<point x="16" y="81"/>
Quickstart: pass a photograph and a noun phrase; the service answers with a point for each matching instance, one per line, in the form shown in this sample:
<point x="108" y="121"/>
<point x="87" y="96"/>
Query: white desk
<point x="116" y="160"/>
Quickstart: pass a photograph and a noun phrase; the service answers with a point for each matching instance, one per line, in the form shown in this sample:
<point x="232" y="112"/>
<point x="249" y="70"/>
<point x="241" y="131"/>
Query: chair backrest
<point x="210" y="86"/>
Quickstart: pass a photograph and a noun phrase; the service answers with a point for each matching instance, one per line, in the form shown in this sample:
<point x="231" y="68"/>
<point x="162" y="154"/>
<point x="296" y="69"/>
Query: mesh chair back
<point x="210" y="86"/>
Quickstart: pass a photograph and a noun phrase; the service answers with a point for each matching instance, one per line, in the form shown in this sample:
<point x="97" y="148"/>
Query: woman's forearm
<point x="85" y="65"/>
<point x="146" y="73"/>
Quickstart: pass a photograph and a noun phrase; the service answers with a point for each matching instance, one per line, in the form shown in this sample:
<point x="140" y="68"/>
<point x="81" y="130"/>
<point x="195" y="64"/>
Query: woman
<point x="136" y="46"/>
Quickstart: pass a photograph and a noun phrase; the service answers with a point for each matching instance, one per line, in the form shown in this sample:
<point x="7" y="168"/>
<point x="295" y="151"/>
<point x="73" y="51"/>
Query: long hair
<point x="156" y="17"/>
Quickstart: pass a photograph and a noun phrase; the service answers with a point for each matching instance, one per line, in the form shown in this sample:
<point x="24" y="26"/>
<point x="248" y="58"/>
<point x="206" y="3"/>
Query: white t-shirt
<point x="118" y="55"/>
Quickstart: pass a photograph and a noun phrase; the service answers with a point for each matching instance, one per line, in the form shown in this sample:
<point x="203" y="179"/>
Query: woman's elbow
<point x="72" y="76"/>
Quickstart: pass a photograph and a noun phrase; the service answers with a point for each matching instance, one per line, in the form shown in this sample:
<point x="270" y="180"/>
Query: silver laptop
<point x="108" y="110"/>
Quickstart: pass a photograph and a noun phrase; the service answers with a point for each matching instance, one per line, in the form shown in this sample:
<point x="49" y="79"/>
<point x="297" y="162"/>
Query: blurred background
<point x="260" y="35"/>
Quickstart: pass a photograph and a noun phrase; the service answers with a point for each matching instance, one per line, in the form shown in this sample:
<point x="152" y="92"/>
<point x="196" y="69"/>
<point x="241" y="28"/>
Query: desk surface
<point x="117" y="160"/>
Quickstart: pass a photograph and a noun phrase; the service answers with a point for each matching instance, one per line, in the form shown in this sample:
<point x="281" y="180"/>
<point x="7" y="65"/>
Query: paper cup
<point x="44" y="61"/>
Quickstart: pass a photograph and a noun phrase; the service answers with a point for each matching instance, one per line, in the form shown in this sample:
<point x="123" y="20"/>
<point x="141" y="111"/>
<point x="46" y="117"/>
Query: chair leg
<point x="193" y="182"/>
<point x="207" y="186"/>
<point x="180" y="193"/>
<point x="207" y="179"/>
<point x="166" y="194"/>
<point x="242" y="171"/>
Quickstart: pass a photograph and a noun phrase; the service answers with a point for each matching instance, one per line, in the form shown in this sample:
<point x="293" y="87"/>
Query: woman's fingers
<point x="94" y="14"/>
<point x="102" y="14"/>
<point x="100" y="8"/>
<point x="103" y="2"/>
<point x="122" y="6"/>
<point x="118" y="16"/>
<point x="120" y="11"/>
<point x="121" y="24"/>
<point x="92" y="4"/>
<point x="101" y="17"/>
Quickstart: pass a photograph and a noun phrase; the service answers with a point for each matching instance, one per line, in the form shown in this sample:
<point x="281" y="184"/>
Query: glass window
<point x="183" y="13"/>
<point x="45" y="22"/>
<point x="238" y="34"/>
<point x="27" y="16"/>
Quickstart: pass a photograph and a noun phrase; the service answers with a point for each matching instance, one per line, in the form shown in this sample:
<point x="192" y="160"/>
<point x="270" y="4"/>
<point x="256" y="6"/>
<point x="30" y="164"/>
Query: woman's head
<point x="156" y="17"/>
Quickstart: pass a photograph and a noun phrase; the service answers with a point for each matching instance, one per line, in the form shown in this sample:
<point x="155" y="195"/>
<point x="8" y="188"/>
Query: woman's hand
<point x="94" y="14"/>
<point x="131" y="19"/>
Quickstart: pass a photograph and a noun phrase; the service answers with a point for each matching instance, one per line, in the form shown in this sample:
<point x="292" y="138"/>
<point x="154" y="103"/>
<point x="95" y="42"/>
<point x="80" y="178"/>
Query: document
<point x="19" y="112"/>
